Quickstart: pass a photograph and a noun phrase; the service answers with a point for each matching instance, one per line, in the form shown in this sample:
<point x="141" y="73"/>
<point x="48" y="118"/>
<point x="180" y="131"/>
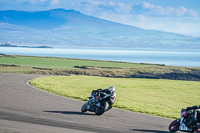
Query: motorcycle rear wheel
<point x="102" y="109"/>
<point x="174" y="126"/>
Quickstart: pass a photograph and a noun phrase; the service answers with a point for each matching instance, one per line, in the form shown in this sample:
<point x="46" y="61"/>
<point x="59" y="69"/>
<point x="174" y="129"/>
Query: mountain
<point x="70" y="28"/>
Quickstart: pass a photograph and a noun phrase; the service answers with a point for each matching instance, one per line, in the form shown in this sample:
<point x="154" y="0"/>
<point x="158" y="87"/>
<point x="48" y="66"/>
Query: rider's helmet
<point x="111" y="88"/>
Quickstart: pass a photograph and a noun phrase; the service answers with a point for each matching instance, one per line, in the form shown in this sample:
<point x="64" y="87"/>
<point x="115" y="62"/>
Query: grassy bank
<point x="65" y="66"/>
<point x="152" y="96"/>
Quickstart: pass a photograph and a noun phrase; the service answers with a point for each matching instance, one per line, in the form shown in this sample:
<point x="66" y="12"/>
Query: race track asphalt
<point x="24" y="109"/>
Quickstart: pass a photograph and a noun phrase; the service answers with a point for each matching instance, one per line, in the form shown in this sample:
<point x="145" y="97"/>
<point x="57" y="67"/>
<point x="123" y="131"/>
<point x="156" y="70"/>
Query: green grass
<point x="158" y="97"/>
<point x="63" y="62"/>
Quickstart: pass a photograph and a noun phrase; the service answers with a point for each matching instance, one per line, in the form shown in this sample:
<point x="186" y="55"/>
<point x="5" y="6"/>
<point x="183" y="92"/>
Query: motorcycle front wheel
<point x="84" y="108"/>
<point x="174" y="126"/>
<point x="102" y="109"/>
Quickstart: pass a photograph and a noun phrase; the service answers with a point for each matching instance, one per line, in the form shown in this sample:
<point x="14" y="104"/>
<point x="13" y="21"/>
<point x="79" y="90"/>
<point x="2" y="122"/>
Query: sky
<point x="177" y="16"/>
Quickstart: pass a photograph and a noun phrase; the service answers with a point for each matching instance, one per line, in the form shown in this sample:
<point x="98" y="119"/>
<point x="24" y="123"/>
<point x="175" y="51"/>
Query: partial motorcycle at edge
<point x="189" y="121"/>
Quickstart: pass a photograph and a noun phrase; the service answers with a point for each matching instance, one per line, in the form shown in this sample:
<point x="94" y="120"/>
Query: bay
<point x="190" y="58"/>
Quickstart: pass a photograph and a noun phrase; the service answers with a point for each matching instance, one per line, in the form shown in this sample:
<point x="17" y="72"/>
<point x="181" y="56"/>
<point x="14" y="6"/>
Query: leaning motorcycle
<point x="189" y="122"/>
<point x="99" y="102"/>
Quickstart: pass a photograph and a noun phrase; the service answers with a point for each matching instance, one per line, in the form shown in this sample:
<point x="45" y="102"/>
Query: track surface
<point x="24" y="109"/>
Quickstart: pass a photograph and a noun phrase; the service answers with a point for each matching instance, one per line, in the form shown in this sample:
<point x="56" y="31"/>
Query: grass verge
<point x="157" y="97"/>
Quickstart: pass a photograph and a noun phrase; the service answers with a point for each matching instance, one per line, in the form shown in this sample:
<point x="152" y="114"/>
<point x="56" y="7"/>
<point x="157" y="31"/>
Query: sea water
<point x="189" y="58"/>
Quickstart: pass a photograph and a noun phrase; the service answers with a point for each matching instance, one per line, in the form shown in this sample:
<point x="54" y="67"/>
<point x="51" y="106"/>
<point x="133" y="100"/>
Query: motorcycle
<point x="189" y="121"/>
<point x="99" y="102"/>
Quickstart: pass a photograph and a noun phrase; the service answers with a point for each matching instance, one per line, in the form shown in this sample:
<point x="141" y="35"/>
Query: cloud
<point x="91" y="7"/>
<point x="32" y="1"/>
<point x="156" y="10"/>
<point x="55" y="2"/>
<point x="144" y="8"/>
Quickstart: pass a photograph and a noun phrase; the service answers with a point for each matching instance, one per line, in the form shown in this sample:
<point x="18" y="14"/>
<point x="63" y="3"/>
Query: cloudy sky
<point x="178" y="16"/>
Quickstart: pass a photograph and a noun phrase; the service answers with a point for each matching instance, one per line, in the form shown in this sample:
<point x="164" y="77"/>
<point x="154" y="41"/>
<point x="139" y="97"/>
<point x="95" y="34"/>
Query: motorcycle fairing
<point x="183" y="127"/>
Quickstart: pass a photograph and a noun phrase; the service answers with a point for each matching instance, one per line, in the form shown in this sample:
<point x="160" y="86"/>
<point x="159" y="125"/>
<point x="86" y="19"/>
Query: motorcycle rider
<point x="111" y="91"/>
<point x="196" y="114"/>
<point x="193" y="107"/>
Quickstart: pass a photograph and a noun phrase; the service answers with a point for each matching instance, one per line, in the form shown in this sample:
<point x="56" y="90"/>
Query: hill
<point x="70" y="28"/>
